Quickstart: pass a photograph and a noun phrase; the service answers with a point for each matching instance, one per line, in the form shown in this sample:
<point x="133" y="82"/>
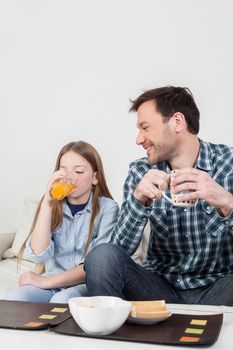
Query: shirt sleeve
<point x="42" y="257"/>
<point x="103" y="231"/>
<point x="228" y="221"/>
<point x="133" y="216"/>
<point x="227" y="184"/>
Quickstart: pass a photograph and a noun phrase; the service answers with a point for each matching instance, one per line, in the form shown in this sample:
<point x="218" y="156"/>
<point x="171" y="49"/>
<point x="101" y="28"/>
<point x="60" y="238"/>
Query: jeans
<point x="35" y="294"/>
<point x="111" y="271"/>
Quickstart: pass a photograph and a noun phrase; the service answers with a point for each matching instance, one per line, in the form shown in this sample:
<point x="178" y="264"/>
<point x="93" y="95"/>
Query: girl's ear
<point x="95" y="179"/>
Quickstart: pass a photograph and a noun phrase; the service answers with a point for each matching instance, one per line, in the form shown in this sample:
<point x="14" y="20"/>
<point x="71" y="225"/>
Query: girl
<point x="63" y="232"/>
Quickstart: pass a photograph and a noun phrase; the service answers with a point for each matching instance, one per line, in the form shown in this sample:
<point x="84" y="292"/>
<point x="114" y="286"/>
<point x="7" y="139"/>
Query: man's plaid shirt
<point x="189" y="247"/>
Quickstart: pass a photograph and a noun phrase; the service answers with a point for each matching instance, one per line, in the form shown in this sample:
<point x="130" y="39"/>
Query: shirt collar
<point x="205" y="156"/>
<point x="204" y="159"/>
<point x="88" y="207"/>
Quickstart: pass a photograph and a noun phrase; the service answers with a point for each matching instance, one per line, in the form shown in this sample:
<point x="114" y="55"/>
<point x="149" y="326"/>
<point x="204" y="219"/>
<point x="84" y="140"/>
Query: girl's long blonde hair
<point x="88" y="152"/>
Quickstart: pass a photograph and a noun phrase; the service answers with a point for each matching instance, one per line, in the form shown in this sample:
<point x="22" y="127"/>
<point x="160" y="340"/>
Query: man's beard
<point x="162" y="153"/>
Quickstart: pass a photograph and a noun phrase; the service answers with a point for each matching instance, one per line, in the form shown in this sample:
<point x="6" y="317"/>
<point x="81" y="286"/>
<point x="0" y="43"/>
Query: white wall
<point x="68" y="69"/>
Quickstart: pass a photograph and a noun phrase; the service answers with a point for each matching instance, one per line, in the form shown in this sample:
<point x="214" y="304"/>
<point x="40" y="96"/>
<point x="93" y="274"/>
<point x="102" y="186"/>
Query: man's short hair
<point x="169" y="100"/>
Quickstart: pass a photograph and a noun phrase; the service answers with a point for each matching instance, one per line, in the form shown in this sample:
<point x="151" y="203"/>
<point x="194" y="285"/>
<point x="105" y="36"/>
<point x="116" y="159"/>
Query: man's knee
<point x="103" y="258"/>
<point x="99" y="256"/>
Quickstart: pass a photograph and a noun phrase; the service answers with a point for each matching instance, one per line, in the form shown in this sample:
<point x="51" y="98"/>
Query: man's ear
<point x="95" y="178"/>
<point x="179" y="122"/>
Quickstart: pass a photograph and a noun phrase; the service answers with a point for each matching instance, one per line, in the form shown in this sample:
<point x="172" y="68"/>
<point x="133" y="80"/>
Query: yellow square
<point x="47" y="317"/>
<point x="59" y="309"/>
<point x="199" y="322"/>
<point x="194" y="330"/>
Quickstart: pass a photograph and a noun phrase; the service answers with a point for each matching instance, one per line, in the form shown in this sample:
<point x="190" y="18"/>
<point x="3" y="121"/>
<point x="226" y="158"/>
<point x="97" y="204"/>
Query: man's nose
<point x="140" y="139"/>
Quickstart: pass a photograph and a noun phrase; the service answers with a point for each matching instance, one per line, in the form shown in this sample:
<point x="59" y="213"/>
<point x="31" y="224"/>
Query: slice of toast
<point x="149" y="309"/>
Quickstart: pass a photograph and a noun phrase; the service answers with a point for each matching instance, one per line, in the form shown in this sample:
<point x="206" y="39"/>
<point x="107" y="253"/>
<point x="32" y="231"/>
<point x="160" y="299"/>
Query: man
<point x="190" y="254"/>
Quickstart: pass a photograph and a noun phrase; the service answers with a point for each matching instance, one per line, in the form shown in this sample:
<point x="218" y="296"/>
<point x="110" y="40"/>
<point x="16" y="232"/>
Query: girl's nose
<point x="70" y="175"/>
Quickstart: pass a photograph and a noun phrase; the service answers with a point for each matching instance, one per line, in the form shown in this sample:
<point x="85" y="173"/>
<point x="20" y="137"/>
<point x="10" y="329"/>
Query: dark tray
<point x="176" y="330"/>
<point x="27" y="315"/>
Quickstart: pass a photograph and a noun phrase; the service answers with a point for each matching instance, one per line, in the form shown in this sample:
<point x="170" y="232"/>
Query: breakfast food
<point x="149" y="309"/>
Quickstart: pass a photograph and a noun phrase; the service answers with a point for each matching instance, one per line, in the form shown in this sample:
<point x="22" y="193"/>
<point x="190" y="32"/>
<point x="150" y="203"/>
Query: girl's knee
<point x="18" y="294"/>
<point x="29" y="293"/>
<point x="59" y="298"/>
<point x="72" y="292"/>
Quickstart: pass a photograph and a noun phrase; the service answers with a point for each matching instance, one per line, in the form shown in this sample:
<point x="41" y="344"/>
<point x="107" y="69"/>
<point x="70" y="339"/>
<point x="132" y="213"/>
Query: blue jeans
<point x="35" y="294"/>
<point x="111" y="271"/>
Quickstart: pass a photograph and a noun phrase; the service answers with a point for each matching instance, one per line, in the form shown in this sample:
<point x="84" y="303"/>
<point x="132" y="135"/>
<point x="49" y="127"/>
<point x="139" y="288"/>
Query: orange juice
<point x="61" y="189"/>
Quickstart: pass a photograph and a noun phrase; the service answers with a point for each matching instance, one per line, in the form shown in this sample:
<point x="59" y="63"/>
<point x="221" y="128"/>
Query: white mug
<point x="174" y="198"/>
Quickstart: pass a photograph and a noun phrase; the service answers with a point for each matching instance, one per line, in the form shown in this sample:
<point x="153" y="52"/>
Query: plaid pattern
<point x="189" y="247"/>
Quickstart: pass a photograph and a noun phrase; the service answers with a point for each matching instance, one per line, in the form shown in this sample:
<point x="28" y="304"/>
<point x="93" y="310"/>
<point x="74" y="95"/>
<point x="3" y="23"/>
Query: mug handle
<point x="167" y="198"/>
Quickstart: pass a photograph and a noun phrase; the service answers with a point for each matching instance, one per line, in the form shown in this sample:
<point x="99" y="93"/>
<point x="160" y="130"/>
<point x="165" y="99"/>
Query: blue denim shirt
<point x="69" y="240"/>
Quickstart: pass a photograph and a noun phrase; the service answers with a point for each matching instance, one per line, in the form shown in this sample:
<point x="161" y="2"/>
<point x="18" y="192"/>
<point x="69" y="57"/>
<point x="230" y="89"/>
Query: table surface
<point x="47" y="340"/>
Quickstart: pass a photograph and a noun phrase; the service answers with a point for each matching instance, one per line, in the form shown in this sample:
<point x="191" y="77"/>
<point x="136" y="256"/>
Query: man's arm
<point x="202" y="186"/>
<point x="141" y="187"/>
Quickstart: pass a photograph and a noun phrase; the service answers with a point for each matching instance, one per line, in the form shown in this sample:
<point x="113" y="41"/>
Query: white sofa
<point x="10" y="244"/>
<point x="9" y="273"/>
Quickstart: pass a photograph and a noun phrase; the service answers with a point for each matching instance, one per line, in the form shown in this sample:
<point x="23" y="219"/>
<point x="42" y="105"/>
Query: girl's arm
<point x="41" y="234"/>
<point x="63" y="279"/>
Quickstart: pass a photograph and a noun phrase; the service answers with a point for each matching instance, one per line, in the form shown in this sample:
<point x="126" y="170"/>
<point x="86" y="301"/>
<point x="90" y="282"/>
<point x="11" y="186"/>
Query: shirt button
<point x="148" y="212"/>
<point x="178" y="280"/>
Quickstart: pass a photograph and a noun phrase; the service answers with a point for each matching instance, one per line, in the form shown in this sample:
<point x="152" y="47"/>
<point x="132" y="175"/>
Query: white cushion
<point x="29" y="209"/>
<point x="9" y="274"/>
<point x="6" y="240"/>
<point x="141" y="252"/>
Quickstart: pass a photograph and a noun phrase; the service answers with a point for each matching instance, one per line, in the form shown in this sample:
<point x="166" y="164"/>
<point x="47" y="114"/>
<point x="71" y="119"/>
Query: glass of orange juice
<point x="62" y="188"/>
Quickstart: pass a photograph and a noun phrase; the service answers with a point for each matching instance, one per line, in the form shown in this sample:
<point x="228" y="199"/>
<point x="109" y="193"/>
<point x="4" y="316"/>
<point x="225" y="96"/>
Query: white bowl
<point x="100" y="315"/>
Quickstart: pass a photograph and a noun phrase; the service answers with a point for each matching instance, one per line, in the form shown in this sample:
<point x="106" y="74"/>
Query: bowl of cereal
<point x="100" y="315"/>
